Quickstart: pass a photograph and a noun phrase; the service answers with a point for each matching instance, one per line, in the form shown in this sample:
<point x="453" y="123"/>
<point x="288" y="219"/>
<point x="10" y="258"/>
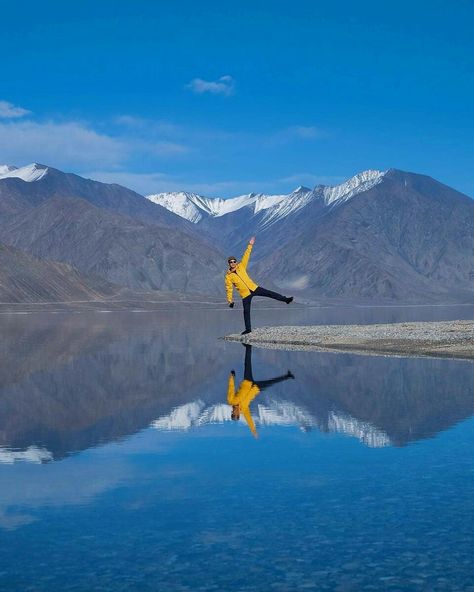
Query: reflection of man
<point x="248" y="390"/>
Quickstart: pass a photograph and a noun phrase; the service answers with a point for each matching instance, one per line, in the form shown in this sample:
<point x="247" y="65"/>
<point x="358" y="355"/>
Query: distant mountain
<point x="382" y="236"/>
<point x="106" y="230"/>
<point x="26" y="279"/>
<point x="227" y="219"/>
<point x="29" y="186"/>
<point x="407" y="238"/>
<point x="119" y="248"/>
<point x="385" y="236"/>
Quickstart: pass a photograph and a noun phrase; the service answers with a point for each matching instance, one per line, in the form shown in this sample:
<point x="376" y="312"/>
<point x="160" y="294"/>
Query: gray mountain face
<point x="409" y="238"/>
<point x="119" y="248"/>
<point x="26" y="279"/>
<point x="392" y="236"/>
<point x="18" y="195"/>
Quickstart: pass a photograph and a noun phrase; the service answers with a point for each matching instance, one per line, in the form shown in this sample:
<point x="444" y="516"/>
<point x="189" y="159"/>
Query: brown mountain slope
<point x="121" y="249"/>
<point x="26" y="279"/>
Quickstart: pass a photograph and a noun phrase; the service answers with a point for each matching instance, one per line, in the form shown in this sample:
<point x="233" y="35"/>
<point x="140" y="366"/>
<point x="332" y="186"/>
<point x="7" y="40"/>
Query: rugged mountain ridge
<point x="386" y="236"/>
<point x="381" y="236"/>
<point x="106" y="230"/>
<point x="408" y="238"/>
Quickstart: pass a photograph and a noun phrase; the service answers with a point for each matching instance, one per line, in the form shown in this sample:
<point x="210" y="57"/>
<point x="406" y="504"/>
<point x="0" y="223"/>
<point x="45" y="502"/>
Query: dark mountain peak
<point x="423" y="185"/>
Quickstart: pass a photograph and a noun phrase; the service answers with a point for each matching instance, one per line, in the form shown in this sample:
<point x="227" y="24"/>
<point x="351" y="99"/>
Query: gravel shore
<point x="452" y="339"/>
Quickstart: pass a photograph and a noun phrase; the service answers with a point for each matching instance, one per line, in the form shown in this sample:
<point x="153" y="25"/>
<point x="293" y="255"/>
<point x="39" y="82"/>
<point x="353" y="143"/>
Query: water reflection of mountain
<point x="380" y="401"/>
<point x="76" y="382"/>
<point x="405" y="398"/>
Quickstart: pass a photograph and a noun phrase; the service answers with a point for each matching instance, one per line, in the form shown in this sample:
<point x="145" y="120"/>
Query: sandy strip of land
<point x="452" y="339"/>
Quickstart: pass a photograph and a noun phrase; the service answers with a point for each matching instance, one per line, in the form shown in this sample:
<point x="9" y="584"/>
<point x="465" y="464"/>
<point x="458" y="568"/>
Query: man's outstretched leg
<point x="269" y="294"/>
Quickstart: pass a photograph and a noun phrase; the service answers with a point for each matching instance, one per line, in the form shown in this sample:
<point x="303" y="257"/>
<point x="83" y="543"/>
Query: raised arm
<point x="245" y="259"/>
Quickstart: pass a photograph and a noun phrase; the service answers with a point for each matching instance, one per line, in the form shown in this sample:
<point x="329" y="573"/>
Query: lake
<point x="121" y="467"/>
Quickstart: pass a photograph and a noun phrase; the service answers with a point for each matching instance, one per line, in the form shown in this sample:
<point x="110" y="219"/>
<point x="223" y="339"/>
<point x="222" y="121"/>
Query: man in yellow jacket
<point x="248" y="390"/>
<point x="237" y="277"/>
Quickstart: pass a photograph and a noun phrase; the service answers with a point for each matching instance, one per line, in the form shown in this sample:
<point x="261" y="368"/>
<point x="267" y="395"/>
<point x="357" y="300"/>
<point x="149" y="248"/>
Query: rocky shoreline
<point x="450" y="339"/>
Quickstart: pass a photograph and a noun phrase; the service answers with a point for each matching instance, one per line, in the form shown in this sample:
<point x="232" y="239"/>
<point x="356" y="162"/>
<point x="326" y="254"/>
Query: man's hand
<point x="252" y="240"/>
<point x="232" y="372"/>
<point x="231" y="305"/>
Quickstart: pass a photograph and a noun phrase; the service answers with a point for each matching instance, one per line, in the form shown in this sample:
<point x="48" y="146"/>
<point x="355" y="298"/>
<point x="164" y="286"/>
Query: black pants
<point x="262" y="384"/>
<point x="247" y="301"/>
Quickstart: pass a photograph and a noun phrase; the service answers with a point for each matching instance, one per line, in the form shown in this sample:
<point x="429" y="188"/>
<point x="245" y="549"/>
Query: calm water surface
<point x="121" y="468"/>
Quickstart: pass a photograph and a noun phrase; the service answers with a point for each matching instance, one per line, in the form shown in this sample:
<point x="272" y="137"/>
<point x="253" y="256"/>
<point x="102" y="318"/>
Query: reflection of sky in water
<point x="361" y="478"/>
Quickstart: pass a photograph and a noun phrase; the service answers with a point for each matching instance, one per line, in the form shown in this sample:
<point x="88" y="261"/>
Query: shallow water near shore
<point x="121" y="469"/>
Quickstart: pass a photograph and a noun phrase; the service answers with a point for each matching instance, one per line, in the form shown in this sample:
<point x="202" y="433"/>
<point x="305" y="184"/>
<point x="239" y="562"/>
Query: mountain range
<point x="381" y="236"/>
<point x="104" y="230"/>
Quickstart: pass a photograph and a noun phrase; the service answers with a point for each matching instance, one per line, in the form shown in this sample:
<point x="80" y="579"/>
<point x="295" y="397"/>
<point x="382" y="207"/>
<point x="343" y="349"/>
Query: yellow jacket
<point x="247" y="392"/>
<point x="239" y="278"/>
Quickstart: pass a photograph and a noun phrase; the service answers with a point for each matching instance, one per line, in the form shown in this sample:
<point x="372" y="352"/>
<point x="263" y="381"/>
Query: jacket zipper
<point x="243" y="281"/>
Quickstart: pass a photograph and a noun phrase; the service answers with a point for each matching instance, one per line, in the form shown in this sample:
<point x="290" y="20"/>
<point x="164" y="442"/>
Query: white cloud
<point x="294" y="133"/>
<point x="225" y="85"/>
<point x="9" y="111"/>
<point x="59" y="144"/>
<point x="305" y="131"/>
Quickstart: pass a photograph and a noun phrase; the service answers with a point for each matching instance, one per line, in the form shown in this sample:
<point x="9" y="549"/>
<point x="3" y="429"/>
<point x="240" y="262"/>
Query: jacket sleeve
<point x="250" y="422"/>
<point x="231" y="390"/>
<point x="245" y="259"/>
<point x="229" y="288"/>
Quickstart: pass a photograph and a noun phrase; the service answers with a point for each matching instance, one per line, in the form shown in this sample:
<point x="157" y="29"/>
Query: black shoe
<point x="289" y="300"/>
<point x="290" y="374"/>
<point x="246" y="332"/>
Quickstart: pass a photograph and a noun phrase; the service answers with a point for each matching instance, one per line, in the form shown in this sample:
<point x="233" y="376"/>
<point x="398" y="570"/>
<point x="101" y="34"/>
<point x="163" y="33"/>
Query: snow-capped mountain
<point x="29" y="173"/>
<point x="275" y="413"/>
<point x="196" y="207"/>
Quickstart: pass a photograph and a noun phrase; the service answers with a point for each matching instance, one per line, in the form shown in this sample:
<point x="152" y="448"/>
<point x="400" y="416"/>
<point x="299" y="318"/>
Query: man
<point x="248" y="389"/>
<point x="237" y="277"/>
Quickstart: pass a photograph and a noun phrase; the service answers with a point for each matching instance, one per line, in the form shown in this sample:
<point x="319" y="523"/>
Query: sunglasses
<point x="233" y="261"/>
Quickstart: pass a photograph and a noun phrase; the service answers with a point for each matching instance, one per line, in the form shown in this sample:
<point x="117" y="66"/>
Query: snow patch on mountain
<point x="7" y="168"/>
<point x="362" y="430"/>
<point x="289" y="205"/>
<point x="353" y="186"/>
<point x="30" y="173"/>
<point x="194" y="207"/>
<point x="181" y="418"/>
<point x="33" y="454"/>
<point x="180" y="203"/>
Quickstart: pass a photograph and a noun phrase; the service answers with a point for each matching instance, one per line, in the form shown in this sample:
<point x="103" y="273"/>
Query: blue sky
<point x="225" y="98"/>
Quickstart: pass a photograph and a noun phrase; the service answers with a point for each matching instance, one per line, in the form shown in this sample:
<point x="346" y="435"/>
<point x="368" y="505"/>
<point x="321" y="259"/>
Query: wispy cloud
<point x="225" y="85"/>
<point x="295" y="133"/>
<point x="9" y="111"/>
<point x="59" y="144"/>
<point x="307" y="132"/>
